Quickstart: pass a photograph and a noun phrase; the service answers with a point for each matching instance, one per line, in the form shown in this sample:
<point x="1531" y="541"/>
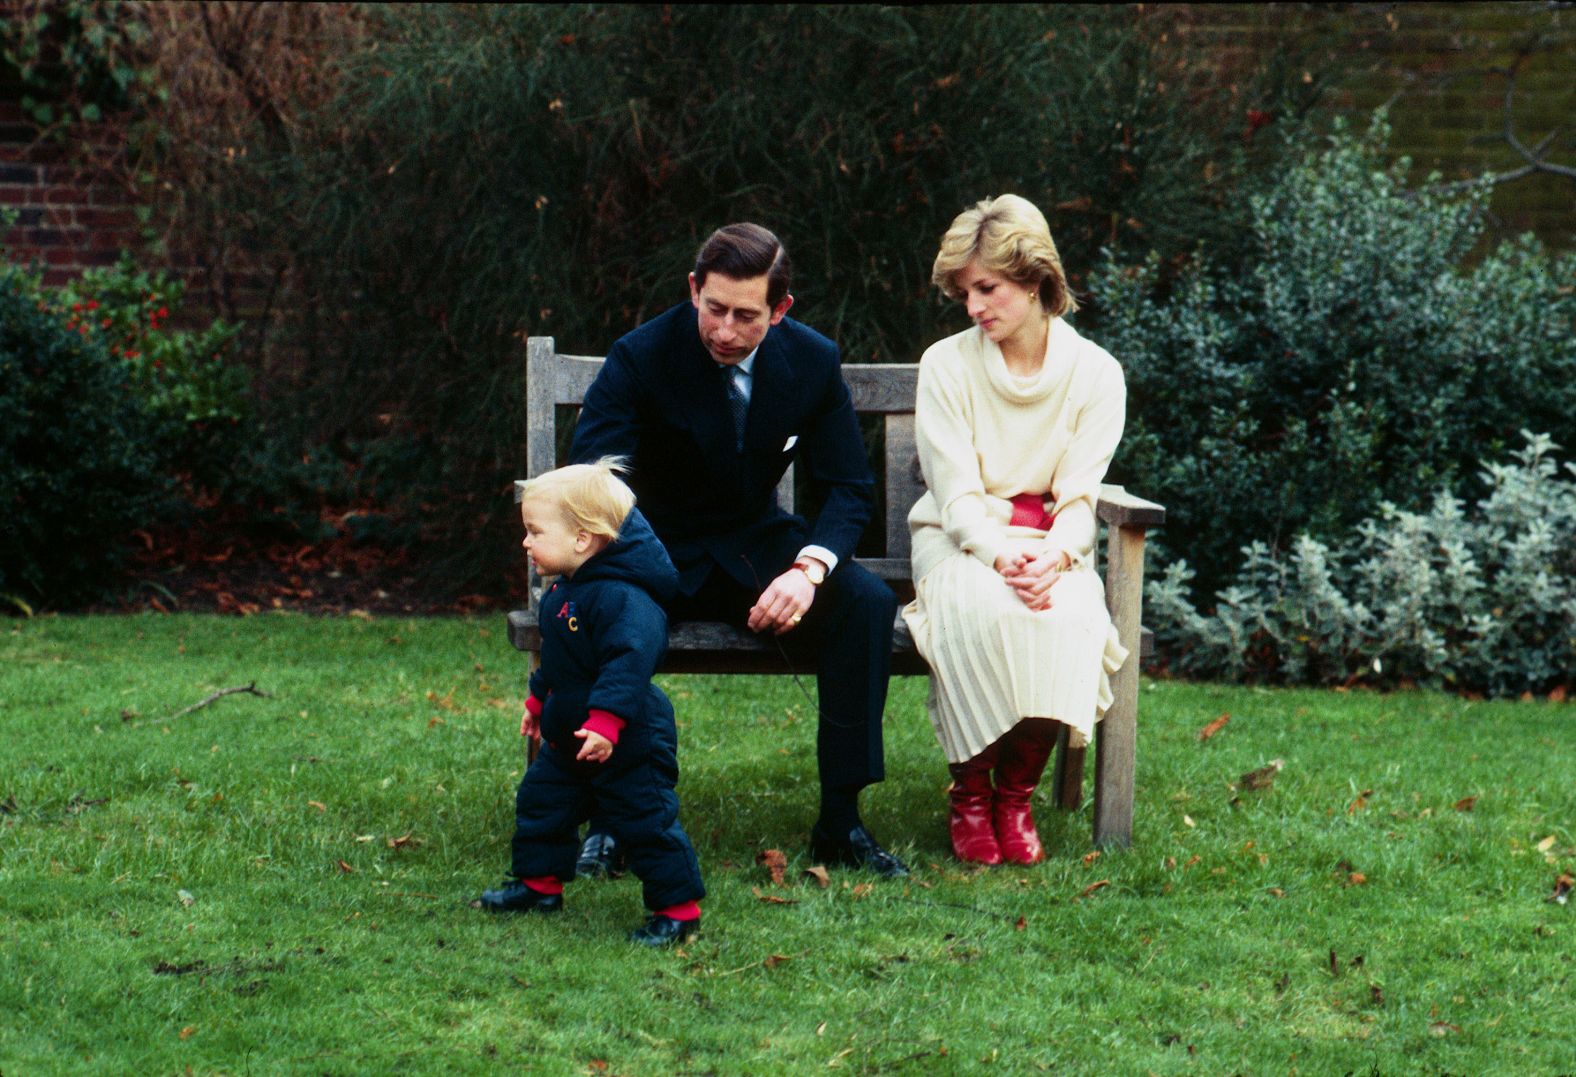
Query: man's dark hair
<point x="742" y="251"/>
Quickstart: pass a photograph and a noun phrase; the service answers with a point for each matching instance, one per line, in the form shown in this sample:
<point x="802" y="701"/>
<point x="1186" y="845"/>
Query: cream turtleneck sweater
<point x="985" y="436"/>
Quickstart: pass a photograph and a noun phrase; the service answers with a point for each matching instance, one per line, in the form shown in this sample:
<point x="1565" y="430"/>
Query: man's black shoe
<point x="663" y="931"/>
<point x="515" y="896"/>
<point x="855" y="849"/>
<point x="600" y="857"/>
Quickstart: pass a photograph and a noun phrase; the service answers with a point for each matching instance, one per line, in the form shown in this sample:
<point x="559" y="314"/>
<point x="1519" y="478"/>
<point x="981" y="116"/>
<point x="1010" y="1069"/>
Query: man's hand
<point x="596" y="748"/>
<point x="1032" y="574"/>
<point x="782" y="604"/>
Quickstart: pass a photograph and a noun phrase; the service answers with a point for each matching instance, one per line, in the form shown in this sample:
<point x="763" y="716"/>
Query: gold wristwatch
<point x="812" y="571"/>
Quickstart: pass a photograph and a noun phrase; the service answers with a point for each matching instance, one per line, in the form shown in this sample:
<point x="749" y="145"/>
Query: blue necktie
<point x="737" y="404"/>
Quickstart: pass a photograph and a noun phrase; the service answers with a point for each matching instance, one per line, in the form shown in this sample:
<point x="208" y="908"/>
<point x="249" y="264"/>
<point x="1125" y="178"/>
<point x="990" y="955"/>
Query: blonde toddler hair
<point x="1009" y="236"/>
<point x="592" y="496"/>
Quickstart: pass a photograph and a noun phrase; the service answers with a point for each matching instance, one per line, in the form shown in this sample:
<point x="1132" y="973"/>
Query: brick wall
<point x="1435" y="65"/>
<point x="70" y="217"/>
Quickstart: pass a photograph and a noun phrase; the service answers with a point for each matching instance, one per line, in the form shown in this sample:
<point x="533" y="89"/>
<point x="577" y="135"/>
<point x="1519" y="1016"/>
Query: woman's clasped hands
<point x="1032" y="571"/>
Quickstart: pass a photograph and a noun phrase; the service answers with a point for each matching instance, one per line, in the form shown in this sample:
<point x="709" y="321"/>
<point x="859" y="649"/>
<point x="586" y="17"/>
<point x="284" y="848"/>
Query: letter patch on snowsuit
<point x="566" y="612"/>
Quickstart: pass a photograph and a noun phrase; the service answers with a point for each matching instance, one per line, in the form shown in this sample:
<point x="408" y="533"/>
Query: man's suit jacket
<point x="661" y="401"/>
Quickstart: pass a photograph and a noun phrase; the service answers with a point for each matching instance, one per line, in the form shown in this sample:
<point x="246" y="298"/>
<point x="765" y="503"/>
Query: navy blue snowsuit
<point x="603" y="634"/>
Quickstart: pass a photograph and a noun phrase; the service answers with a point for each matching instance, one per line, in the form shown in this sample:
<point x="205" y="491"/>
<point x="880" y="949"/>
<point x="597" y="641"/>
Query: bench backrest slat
<point x="885" y="389"/>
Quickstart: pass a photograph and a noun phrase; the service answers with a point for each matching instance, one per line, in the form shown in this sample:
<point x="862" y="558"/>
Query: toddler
<point x="609" y="744"/>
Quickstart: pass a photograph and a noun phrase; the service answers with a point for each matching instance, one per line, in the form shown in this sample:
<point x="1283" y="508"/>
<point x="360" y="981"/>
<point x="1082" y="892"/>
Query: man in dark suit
<point x="709" y="402"/>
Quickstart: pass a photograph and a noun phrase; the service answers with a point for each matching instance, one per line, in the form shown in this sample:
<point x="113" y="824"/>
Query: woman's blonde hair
<point x="591" y="496"/>
<point x="1009" y="236"/>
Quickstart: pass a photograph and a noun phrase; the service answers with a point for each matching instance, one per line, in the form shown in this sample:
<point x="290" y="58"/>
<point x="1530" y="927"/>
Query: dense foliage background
<point x="472" y="175"/>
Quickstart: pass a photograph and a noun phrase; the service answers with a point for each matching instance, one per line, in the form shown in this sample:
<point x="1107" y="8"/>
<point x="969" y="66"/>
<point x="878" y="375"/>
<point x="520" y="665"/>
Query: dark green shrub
<point x="1353" y="355"/>
<point x="78" y="462"/>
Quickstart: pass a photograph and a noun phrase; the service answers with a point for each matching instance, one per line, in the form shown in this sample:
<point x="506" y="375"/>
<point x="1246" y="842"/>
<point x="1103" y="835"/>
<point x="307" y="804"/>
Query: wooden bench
<point x="555" y="386"/>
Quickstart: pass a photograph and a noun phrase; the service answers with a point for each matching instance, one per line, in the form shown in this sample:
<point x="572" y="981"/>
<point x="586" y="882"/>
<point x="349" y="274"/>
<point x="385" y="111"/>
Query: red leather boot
<point x="972" y="821"/>
<point x="1024" y="752"/>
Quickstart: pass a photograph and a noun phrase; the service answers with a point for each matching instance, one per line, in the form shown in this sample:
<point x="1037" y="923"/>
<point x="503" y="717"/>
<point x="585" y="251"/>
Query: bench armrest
<point x="1119" y="508"/>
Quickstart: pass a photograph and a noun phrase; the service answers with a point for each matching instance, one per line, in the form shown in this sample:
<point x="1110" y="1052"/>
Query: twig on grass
<point x="250" y="689"/>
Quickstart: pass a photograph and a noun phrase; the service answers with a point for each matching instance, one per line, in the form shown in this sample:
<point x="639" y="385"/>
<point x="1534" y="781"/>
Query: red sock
<point x="544" y="884"/>
<point x="689" y="910"/>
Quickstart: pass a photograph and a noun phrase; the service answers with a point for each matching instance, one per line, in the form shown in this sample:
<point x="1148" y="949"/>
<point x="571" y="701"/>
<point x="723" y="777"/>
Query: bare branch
<point x="250" y="689"/>
<point x="1533" y="156"/>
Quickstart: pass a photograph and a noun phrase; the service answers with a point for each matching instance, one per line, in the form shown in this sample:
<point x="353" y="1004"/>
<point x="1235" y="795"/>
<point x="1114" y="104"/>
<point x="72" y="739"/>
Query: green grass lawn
<point x="284" y="884"/>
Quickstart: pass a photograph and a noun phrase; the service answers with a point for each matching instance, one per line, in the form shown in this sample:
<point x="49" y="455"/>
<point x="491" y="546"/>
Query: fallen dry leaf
<point x="1263" y="777"/>
<point x="185" y="898"/>
<point x="1465" y="804"/>
<point x="1092" y="887"/>
<point x="776" y="959"/>
<point x="344" y="867"/>
<point x="1375" y="994"/>
<point x="1021" y="925"/>
<point x="1442" y="1028"/>
<point x="1360" y="803"/>
<point x="1557" y="694"/>
<point x="1188" y="819"/>
<point x="1090" y="858"/>
<point x="861" y="890"/>
<point x="318" y="804"/>
<point x="1546" y="844"/>
<point x="402" y="841"/>
<point x="774" y="862"/>
<point x="1214" y="727"/>
<point x="771" y="899"/>
<point x="1356" y="878"/>
<point x="1562" y="888"/>
<point x="818" y="873"/>
<point x="1276" y="891"/>
<point x="186" y="1033"/>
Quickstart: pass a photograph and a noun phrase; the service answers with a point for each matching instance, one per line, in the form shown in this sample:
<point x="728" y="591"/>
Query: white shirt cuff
<point x="822" y="554"/>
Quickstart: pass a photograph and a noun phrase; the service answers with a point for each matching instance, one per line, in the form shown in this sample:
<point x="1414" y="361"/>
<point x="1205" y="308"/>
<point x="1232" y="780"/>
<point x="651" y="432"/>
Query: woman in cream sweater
<point x="1017" y="419"/>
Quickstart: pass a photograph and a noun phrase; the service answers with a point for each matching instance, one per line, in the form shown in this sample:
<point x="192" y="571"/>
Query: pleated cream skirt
<point x="994" y="661"/>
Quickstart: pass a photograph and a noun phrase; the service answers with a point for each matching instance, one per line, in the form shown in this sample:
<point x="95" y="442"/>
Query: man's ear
<point x="781" y="309"/>
<point x="694" y="292"/>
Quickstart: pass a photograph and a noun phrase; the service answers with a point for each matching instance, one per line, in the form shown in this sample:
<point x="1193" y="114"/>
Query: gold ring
<point x="794" y="620"/>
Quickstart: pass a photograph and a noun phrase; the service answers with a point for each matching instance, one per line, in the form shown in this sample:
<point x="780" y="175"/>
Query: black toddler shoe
<point x="663" y="931"/>
<point x="855" y="849"/>
<point x="515" y="896"/>
<point x="600" y="857"/>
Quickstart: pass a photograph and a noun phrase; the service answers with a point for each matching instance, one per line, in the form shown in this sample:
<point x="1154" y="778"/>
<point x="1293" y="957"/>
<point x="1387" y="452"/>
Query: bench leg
<point x="1067" y="781"/>
<point x="1117" y="733"/>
